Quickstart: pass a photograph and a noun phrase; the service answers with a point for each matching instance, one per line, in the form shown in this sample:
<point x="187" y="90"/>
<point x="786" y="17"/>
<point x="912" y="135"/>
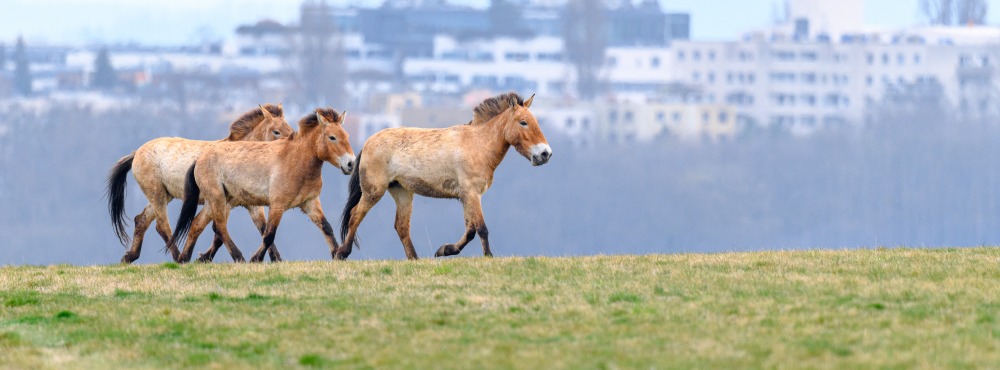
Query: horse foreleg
<point x="273" y="219"/>
<point x="474" y="223"/>
<point x="404" y="208"/>
<point x="314" y="210"/>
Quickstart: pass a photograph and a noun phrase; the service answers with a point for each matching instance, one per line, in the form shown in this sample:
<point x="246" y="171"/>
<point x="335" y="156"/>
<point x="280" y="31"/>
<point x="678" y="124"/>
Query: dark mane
<point x="244" y="125"/>
<point x="310" y="119"/>
<point x="491" y="107"/>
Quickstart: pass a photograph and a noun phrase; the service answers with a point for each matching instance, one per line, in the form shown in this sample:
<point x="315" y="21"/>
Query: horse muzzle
<point x="540" y="154"/>
<point x="346" y="163"/>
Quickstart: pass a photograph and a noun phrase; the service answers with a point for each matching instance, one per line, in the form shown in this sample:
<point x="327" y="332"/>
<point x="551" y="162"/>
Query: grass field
<point x="883" y="308"/>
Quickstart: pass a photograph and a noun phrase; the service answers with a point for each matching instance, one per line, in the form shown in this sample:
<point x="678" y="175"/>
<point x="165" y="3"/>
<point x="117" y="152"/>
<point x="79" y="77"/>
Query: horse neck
<point x="303" y="144"/>
<point x="496" y="145"/>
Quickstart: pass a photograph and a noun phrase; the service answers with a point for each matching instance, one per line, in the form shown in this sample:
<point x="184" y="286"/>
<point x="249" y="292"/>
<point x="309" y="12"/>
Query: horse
<point x="159" y="167"/>
<point x="455" y="162"/>
<point x="281" y="174"/>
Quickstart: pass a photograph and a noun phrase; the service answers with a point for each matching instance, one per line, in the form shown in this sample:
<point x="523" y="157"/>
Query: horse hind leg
<point x="404" y="209"/>
<point x="209" y="255"/>
<point x="219" y="225"/>
<point x="259" y="217"/>
<point x="474" y="223"/>
<point x="273" y="220"/>
<point x="368" y="200"/>
<point x="198" y="225"/>
<point x="142" y="222"/>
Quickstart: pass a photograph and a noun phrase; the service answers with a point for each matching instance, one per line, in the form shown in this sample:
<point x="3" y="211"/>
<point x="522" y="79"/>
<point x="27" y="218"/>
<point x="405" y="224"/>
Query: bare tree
<point x="938" y="12"/>
<point x="22" y="69"/>
<point x="322" y="71"/>
<point x="585" y="42"/>
<point x="971" y="12"/>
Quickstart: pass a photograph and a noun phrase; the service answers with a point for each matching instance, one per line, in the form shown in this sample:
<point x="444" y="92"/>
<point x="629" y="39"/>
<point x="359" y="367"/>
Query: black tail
<point x="353" y="198"/>
<point x="116" y="196"/>
<point x="188" y="210"/>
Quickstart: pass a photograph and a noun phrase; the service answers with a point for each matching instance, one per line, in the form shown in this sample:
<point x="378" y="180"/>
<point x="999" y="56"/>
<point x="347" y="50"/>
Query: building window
<point x="696" y="55"/>
<point x="612" y="62"/>
<point x="661" y="117"/>
<point x="628" y="117"/>
<point x="655" y="62"/>
<point x="783" y="55"/>
<point x="711" y="77"/>
<point x="570" y="122"/>
<point x="711" y="55"/>
<point x="809" y="56"/>
<point x="676" y="116"/>
<point x="723" y="117"/>
<point x="750" y="78"/>
<point x="695" y="76"/>
<point x="900" y="59"/>
<point x="808" y="78"/>
<point x="871" y="59"/>
<point x="517" y="57"/>
<point x="680" y="54"/>
<point x="916" y="59"/>
<point x="885" y="59"/>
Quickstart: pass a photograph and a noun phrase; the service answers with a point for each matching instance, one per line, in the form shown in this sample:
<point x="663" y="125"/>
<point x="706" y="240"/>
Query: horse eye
<point x="276" y="133"/>
<point x="524" y="123"/>
<point x="333" y="138"/>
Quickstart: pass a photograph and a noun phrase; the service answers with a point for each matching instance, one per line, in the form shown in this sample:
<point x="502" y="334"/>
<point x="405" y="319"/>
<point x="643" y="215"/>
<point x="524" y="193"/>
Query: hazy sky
<point x="186" y="21"/>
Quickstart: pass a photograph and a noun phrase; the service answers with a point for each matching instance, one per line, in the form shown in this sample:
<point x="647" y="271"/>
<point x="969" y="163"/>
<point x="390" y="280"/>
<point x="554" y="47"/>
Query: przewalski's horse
<point x="455" y="162"/>
<point x="282" y="175"/>
<point x="159" y="166"/>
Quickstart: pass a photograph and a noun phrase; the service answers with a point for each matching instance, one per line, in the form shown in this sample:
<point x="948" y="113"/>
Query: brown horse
<point x="281" y="174"/>
<point x="159" y="167"/>
<point x="455" y="162"/>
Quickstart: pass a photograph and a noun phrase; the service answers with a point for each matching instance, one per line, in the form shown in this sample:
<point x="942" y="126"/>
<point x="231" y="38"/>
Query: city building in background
<point x="428" y="62"/>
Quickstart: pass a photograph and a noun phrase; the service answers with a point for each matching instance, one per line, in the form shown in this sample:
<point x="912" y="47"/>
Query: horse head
<point x="521" y="130"/>
<point x="333" y="145"/>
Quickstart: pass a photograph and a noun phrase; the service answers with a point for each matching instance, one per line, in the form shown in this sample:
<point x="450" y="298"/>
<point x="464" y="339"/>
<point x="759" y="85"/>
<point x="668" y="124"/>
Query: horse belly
<point x="244" y="190"/>
<point x="434" y="188"/>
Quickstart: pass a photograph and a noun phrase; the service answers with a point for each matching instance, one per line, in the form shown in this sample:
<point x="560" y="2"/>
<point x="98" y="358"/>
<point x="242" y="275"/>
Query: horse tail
<point x="188" y="209"/>
<point x="353" y="198"/>
<point x="116" y="196"/>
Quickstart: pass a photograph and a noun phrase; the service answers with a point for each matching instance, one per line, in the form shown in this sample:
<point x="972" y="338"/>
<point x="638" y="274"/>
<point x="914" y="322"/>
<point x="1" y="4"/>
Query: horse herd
<point x="265" y="163"/>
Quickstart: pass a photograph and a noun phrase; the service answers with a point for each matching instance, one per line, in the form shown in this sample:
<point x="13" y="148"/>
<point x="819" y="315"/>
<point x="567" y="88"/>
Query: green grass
<point x="883" y="308"/>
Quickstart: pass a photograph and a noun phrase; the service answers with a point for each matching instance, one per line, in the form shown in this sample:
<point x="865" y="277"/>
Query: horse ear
<point x="319" y="118"/>
<point x="527" y="103"/>
<point x="282" y="110"/>
<point x="343" y="117"/>
<point x="265" y="112"/>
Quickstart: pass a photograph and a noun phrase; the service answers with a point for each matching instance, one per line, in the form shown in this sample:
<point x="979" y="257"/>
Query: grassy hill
<point x="896" y="308"/>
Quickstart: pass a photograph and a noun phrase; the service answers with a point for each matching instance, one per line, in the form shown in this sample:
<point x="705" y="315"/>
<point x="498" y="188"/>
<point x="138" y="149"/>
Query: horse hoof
<point x="446" y="250"/>
<point x="240" y="259"/>
<point x="340" y="256"/>
<point x="128" y="259"/>
<point x="204" y="258"/>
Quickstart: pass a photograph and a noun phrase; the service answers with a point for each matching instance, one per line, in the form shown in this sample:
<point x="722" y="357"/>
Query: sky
<point x="189" y="21"/>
